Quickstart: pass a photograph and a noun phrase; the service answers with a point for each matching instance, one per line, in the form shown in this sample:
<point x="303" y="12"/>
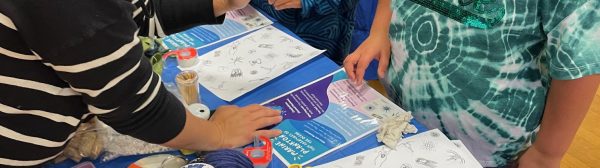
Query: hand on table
<point x="238" y="126"/>
<point x="534" y="158"/>
<point x="374" y="47"/>
<point x="286" y="4"/>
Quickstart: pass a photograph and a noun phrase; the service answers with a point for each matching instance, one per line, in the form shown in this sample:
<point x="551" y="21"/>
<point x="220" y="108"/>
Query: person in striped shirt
<point x="63" y="62"/>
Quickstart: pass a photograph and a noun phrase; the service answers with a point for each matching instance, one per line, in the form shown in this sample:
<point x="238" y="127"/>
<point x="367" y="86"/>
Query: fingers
<point x="290" y="4"/>
<point x="350" y="63"/>
<point x="361" y="67"/>
<point x="384" y="61"/>
<point x="268" y="121"/>
<point x="253" y="108"/>
<point x="271" y="2"/>
<point x="268" y="133"/>
<point x="258" y="115"/>
<point x="280" y="2"/>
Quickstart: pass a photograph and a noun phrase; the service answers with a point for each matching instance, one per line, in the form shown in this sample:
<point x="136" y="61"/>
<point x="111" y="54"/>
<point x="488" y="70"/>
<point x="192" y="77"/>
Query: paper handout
<point x="236" y="23"/>
<point x="251" y="61"/>
<point x="431" y="149"/>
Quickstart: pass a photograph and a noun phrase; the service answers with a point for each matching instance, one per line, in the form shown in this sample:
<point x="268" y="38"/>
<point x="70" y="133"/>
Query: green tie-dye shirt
<point x="480" y="69"/>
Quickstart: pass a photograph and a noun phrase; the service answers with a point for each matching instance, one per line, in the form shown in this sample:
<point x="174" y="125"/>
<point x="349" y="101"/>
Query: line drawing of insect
<point x="207" y="62"/>
<point x="259" y="79"/>
<point x="299" y="48"/>
<point x="257" y="61"/>
<point x="429" y="146"/>
<point x="293" y="55"/>
<point x="408" y="146"/>
<point x="285" y="39"/>
<point x="359" y="160"/>
<point x="382" y="156"/>
<point x="236" y="60"/>
<point x="268" y="46"/>
<point x="269" y="70"/>
<point x="426" y="162"/>
<point x="269" y="28"/>
<point x="221" y="86"/>
<point x="271" y="56"/>
<point x="253" y="72"/>
<point x="405" y="165"/>
<point x="252" y="51"/>
<point x="265" y="36"/>
<point x="236" y="73"/>
<point x="454" y="156"/>
<point x="251" y="39"/>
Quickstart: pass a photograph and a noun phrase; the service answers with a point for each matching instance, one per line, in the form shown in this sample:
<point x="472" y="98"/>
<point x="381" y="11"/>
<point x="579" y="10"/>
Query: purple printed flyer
<point x="325" y="115"/>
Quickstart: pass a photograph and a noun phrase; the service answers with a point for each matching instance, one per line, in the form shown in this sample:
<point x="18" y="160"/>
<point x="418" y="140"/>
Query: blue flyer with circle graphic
<point x="326" y="115"/>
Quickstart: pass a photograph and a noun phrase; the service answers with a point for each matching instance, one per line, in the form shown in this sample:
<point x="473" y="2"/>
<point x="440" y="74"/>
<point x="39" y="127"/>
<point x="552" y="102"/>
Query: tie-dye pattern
<point x="485" y="81"/>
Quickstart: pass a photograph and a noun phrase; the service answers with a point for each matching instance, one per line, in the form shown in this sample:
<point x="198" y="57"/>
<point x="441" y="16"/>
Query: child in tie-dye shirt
<point x="486" y="72"/>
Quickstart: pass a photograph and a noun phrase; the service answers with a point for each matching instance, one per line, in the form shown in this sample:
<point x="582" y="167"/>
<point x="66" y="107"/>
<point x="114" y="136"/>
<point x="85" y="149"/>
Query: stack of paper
<point x="244" y="64"/>
<point x="431" y="149"/>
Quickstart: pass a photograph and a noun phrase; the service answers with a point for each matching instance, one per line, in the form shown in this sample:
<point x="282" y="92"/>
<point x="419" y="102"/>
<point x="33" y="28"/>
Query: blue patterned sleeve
<point x="573" y="45"/>
<point x="321" y="7"/>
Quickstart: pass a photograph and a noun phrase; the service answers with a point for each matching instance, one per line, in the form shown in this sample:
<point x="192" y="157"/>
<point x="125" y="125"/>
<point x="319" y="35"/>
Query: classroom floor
<point x="585" y="149"/>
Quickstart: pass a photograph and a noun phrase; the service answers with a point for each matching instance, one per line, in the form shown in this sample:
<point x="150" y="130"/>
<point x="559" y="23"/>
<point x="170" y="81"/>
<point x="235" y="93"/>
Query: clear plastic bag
<point x="86" y="143"/>
<point x="118" y="145"/>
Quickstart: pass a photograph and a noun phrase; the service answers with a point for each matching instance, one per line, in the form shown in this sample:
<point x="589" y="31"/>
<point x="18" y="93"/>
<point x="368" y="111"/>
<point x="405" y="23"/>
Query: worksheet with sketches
<point x="236" y="23"/>
<point x="325" y="115"/>
<point x="251" y="61"/>
<point x="431" y="149"/>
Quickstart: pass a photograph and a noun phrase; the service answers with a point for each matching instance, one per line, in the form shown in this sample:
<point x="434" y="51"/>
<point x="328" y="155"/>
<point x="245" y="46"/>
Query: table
<point x="305" y="73"/>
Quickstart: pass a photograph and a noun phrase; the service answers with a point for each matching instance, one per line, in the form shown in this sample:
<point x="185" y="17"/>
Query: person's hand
<point x="239" y="126"/>
<point x="236" y="4"/>
<point x="286" y="4"/>
<point x="374" y="47"/>
<point x="534" y="158"/>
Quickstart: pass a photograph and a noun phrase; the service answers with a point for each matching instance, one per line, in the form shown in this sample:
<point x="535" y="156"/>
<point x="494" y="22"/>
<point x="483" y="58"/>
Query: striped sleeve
<point x="115" y="81"/>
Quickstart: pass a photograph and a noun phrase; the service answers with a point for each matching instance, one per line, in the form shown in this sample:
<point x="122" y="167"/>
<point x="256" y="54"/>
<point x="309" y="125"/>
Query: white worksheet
<point x="431" y="149"/>
<point x="251" y="61"/>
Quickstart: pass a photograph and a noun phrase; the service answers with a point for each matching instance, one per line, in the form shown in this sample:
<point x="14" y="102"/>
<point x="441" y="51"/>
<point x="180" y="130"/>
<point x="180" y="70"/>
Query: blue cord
<point x="228" y="158"/>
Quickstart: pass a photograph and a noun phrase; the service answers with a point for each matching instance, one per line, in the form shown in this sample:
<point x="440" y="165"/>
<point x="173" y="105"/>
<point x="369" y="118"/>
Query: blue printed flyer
<point x="326" y="115"/>
<point x="236" y="23"/>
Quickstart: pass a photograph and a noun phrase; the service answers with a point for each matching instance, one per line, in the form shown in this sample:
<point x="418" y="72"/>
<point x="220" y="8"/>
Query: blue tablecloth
<point x="305" y="73"/>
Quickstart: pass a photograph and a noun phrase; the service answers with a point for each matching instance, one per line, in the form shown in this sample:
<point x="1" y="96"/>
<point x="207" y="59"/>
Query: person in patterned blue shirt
<point x="324" y="24"/>
<point x="512" y="79"/>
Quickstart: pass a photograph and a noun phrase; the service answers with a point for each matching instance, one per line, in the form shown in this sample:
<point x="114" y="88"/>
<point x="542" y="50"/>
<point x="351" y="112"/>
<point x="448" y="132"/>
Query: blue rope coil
<point x="228" y="158"/>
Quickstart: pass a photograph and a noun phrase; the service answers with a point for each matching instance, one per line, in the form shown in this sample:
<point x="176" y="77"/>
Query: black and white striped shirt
<point x="65" y="61"/>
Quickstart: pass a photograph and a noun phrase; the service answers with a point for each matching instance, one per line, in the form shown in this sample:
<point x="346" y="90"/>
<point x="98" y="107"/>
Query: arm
<point x="229" y="127"/>
<point x="102" y="60"/>
<point x="376" y="46"/>
<point x="321" y="7"/>
<point x="178" y="15"/>
<point x="567" y="104"/>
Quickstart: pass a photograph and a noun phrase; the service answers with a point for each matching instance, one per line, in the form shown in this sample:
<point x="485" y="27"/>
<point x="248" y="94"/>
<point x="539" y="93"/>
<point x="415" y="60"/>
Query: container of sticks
<point x="187" y="83"/>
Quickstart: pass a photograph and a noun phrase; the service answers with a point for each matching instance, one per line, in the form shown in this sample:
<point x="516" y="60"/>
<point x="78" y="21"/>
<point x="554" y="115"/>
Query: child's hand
<point x="286" y="4"/>
<point x="533" y="158"/>
<point x="374" y="47"/>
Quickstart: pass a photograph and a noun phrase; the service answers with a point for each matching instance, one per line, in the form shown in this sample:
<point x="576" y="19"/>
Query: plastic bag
<point x="117" y="145"/>
<point x="86" y="143"/>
